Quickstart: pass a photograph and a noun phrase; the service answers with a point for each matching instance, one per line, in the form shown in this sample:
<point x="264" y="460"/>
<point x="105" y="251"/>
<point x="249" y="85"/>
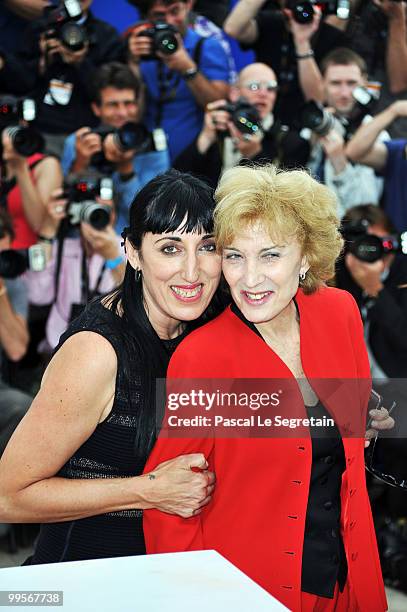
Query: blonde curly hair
<point x="290" y="204"/>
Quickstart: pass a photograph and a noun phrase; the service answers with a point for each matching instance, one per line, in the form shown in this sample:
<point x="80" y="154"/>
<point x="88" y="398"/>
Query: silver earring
<point x="302" y="276"/>
<point x="138" y="275"/>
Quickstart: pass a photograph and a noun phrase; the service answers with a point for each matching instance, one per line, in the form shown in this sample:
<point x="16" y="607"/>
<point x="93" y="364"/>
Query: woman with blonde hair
<point x="291" y="510"/>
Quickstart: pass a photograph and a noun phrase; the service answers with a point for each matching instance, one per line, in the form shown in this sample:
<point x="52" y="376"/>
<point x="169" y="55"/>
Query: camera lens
<point x="369" y="248"/>
<point x="96" y="215"/>
<point x="316" y="118"/>
<point x="303" y="12"/>
<point x="12" y="263"/>
<point x="25" y="140"/>
<point x="73" y="36"/>
<point x="166" y="42"/>
<point x="132" y="136"/>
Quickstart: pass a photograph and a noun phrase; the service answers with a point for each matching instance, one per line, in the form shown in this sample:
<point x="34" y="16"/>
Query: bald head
<point x="256" y="72"/>
<point x="258" y="84"/>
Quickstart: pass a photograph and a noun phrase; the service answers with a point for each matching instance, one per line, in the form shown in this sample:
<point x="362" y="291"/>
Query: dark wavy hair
<point x="168" y="202"/>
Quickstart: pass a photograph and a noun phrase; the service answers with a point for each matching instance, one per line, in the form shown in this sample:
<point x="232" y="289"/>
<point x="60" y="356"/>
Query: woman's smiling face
<point x="180" y="273"/>
<point x="263" y="276"/>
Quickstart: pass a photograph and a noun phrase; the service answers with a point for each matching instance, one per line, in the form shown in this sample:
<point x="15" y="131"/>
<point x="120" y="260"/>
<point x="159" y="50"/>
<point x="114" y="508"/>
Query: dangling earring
<point x="302" y="277"/>
<point x="138" y="275"/>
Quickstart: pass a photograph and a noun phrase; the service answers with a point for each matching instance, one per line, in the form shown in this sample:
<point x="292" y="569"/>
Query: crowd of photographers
<point x="88" y="117"/>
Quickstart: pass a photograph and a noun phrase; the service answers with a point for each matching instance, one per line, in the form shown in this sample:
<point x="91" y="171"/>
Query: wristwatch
<point x="190" y="74"/>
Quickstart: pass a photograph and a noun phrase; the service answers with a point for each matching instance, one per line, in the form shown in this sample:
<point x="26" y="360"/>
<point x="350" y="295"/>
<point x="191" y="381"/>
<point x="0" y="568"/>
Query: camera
<point x="163" y="36"/>
<point x="131" y="136"/>
<point x="316" y="118"/>
<point x="369" y="247"/>
<point x="303" y="12"/>
<point x="244" y="116"/>
<point x="26" y="140"/>
<point x="366" y="100"/>
<point x="13" y="263"/>
<point x="61" y="22"/>
<point x="81" y="194"/>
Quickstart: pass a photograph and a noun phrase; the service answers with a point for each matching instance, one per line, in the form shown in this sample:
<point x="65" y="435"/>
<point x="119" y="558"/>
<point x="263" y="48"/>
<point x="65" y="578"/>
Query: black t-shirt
<point x="275" y="47"/>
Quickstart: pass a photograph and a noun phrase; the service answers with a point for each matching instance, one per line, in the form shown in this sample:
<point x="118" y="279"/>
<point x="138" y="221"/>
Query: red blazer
<point x="257" y="516"/>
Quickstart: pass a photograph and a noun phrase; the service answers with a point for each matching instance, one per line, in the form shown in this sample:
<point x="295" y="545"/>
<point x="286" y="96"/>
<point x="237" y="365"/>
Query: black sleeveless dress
<point x="108" y="453"/>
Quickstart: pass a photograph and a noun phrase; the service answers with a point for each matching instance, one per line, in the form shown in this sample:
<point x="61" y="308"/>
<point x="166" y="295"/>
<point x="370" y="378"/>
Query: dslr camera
<point x="61" y="22"/>
<point x="303" y="12"/>
<point x="81" y="193"/>
<point x="163" y="36"/>
<point x="369" y="247"/>
<point x="26" y="140"/>
<point x="244" y="116"/>
<point x="131" y="136"/>
<point x="315" y="117"/>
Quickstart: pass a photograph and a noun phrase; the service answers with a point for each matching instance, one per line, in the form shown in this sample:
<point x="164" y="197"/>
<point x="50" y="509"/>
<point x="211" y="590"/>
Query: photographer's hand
<point x="249" y="145"/>
<point x="55" y="212"/>
<point x="106" y="243"/>
<point x="73" y="57"/>
<point x="334" y="147"/>
<point x="308" y="72"/>
<point x="392" y="10"/>
<point x="214" y="121"/>
<point x="366" y="275"/>
<point x="86" y="145"/>
<point x="122" y="159"/>
<point x="180" y="61"/>
<point x="139" y="46"/>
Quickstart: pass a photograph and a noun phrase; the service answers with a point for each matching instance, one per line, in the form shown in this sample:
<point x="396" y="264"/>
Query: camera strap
<point x="169" y="81"/>
<point x="86" y="293"/>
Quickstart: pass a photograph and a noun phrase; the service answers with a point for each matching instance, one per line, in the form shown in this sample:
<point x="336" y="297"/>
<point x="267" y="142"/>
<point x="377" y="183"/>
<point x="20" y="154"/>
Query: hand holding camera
<point x="366" y="275"/>
<point x="147" y="40"/>
<point x="303" y="22"/>
<point x="87" y="143"/>
<point x="104" y="242"/>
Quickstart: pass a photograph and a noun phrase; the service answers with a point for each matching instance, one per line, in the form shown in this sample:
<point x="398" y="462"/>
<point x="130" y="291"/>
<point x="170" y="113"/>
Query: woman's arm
<point x="77" y="393"/>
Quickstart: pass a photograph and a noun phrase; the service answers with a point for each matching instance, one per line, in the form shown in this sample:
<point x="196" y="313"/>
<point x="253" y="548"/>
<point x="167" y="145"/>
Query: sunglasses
<point x="257" y="85"/>
<point x="377" y="452"/>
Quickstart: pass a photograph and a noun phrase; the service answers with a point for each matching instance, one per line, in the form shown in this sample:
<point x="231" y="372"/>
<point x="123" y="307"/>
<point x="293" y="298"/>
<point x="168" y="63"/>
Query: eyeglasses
<point x="257" y="85"/>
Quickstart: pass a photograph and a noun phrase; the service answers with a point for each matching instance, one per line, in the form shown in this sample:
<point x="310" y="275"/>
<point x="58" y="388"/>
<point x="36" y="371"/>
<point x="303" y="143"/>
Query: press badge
<point x="59" y="92"/>
<point x="160" y="139"/>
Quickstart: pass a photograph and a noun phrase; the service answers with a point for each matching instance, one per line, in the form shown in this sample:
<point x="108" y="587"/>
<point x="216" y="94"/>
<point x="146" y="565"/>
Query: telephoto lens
<point x="12" y="263"/>
<point x="316" y="118"/>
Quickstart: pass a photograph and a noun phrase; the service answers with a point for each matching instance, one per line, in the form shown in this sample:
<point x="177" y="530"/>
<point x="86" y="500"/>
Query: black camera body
<point x="131" y="136"/>
<point x="81" y="193"/>
<point x="61" y="22"/>
<point x="13" y="263"/>
<point x="303" y="12"/>
<point x="369" y="248"/>
<point x="244" y="116"/>
<point x="26" y="140"/>
<point x="315" y="117"/>
<point x="163" y="36"/>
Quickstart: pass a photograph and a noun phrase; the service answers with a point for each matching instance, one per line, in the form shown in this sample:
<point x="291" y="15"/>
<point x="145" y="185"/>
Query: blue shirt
<point x="396" y="184"/>
<point x="182" y="117"/>
<point x="146" y="167"/>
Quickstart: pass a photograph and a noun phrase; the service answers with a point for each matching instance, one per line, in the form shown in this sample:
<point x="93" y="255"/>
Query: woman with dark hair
<point x="75" y="463"/>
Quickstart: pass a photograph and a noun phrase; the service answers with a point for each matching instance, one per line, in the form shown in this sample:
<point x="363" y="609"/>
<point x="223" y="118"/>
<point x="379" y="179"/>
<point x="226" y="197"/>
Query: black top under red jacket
<point x="105" y="45"/>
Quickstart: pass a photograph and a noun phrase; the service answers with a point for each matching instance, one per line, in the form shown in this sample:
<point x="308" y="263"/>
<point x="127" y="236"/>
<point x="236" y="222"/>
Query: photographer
<point x="344" y="72"/>
<point x="13" y="338"/>
<point x="187" y="71"/>
<point x="223" y="141"/>
<point x="27" y="184"/>
<point x="292" y="49"/>
<point x="388" y="158"/>
<point x="117" y="94"/>
<point x="86" y="259"/>
<point x="61" y="53"/>
<point x="377" y="278"/>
